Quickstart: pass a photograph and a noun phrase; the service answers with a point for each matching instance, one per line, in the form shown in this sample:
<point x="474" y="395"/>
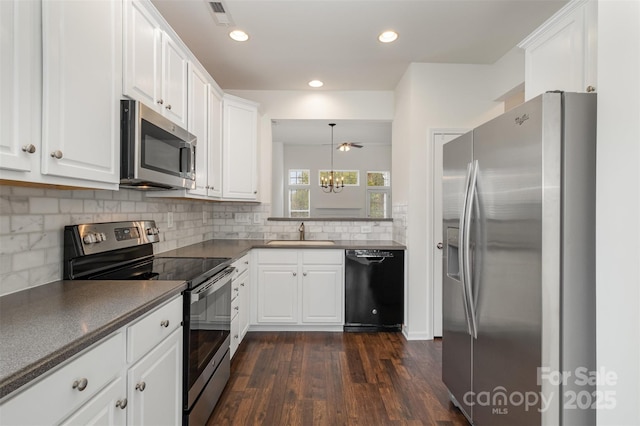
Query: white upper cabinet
<point x="214" y="164"/>
<point x="61" y="81"/>
<point x="199" y="125"/>
<point x="82" y="75"/>
<point x="205" y="122"/>
<point x="562" y="53"/>
<point x="240" y="146"/>
<point x="155" y="68"/>
<point x="20" y="86"/>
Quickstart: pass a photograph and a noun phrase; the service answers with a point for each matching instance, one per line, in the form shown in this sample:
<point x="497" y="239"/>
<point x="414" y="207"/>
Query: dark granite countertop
<point x="43" y="326"/>
<point x="237" y="248"/>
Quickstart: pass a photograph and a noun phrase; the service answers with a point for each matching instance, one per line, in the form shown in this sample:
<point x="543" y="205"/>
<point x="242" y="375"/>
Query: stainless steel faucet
<point x="301" y="230"/>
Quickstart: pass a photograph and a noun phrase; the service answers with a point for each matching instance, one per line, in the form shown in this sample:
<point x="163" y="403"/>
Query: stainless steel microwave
<point x="155" y="153"/>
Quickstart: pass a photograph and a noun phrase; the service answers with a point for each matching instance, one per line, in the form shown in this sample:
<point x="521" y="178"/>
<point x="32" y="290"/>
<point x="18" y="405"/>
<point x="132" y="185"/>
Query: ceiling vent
<point x="220" y="15"/>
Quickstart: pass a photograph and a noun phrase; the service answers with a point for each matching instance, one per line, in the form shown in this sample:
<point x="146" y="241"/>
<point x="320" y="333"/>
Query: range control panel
<point x="101" y="237"/>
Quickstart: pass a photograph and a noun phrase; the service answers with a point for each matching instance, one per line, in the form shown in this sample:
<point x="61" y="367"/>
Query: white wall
<point x="433" y="96"/>
<point x="618" y="208"/>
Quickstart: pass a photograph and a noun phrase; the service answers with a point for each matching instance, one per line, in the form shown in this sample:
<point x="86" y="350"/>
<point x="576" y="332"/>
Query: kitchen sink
<point x="301" y="243"/>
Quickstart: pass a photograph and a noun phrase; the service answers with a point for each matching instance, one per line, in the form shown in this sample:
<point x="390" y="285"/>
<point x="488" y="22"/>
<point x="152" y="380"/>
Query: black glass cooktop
<point x="193" y="270"/>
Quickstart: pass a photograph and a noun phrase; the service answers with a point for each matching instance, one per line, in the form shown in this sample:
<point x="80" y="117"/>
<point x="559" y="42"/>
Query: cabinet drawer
<point x="54" y="397"/>
<point x="241" y="265"/>
<point x="153" y="328"/>
<point x="278" y="256"/>
<point x="322" y="257"/>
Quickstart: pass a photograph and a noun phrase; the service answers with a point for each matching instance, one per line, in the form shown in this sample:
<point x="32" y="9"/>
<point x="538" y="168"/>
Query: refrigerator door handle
<point x="461" y="249"/>
<point x="466" y="258"/>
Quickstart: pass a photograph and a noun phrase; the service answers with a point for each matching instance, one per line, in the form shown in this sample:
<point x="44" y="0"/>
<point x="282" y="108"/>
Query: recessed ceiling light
<point x="388" y="36"/>
<point x="239" y="35"/>
<point x="316" y="83"/>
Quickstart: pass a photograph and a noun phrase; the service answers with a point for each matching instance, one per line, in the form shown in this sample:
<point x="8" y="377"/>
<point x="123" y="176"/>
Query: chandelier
<point x="332" y="183"/>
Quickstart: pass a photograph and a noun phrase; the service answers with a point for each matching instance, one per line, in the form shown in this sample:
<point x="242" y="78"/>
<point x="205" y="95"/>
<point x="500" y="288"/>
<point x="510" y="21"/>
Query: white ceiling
<point x="294" y="41"/>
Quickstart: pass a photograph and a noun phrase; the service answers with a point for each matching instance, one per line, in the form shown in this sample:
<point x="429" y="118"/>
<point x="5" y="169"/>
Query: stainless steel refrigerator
<point x="518" y="340"/>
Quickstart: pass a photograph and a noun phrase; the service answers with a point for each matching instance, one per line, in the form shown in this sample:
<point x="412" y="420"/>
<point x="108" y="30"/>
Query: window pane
<point x="377" y="204"/>
<point x="378" y="179"/>
<point x="299" y="203"/>
<point x="298" y="177"/>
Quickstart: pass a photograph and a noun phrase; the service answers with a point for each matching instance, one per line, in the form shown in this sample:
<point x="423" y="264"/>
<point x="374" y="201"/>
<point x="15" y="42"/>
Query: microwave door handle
<point x="184" y="161"/>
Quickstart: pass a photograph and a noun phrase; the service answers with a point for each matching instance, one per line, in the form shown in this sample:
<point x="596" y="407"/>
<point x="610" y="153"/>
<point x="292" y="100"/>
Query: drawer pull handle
<point x="237" y="308"/>
<point x="80" y="384"/>
<point x="242" y="284"/>
<point x="164" y="323"/>
<point x="141" y="386"/>
<point x="121" y="403"/>
<point x="236" y="289"/>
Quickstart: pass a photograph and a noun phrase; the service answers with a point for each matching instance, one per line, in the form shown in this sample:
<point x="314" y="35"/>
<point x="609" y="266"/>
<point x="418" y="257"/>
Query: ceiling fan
<point x="346" y="146"/>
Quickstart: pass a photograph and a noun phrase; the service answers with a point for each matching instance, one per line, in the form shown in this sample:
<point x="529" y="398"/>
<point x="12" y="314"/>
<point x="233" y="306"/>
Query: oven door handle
<point x="213" y="285"/>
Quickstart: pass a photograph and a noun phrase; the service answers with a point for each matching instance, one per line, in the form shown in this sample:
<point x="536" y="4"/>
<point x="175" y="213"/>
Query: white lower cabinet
<point x="239" y="302"/>
<point x="155" y="385"/>
<point x="300" y="287"/>
<point x="107" y="408"/>
<point x="277" y="294"/>
<point x="99" y="386"/>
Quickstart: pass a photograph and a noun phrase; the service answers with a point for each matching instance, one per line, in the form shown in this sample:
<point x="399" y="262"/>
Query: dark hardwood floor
<point x="317" y="378"/>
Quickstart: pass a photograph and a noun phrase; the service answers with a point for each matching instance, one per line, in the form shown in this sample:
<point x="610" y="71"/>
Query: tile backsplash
<point x="32" y="222"/>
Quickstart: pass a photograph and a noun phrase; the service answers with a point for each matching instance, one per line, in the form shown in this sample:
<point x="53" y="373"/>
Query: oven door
<point x="207" y="328"/>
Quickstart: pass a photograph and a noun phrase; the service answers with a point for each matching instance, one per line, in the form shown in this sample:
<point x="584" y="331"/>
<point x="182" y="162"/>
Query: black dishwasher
<point x="374" y="290"/>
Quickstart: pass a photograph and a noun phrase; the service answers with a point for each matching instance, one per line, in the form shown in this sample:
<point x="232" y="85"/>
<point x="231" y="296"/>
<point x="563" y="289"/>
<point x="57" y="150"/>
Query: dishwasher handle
<point x="369" y="257"/>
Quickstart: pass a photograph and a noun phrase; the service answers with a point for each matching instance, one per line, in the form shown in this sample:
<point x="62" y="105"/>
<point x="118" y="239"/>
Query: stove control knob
<point x="89" y="239"/>
<point x="152" y="231"/>
<point x="103" y="236"/>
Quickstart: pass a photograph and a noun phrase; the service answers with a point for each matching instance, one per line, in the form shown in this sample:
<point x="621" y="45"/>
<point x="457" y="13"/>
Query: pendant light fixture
<point x="332" y="183"/>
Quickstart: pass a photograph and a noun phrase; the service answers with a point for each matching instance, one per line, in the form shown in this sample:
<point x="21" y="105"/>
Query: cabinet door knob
<point x="304" y="274"/>
<point x="121" y="403"/>
<point x="31" y="148"/>
<point x="57" y="154"/>
<point x="591" y="89"/>
<point x="168" y="106"/>
<point x="242" y="284"/>
<point x="235" y="336"/>
<point x="439" y="246"/>
<point x="80" y="384"/>
<point x="255" y="192"/>
<point x="236" y="289"/>
<point x="295" y="274"/>
<point x="246" y="262"/>
<point x="164" y="323"/>
<point x="141" y="386"/>
<point x="160" y="101"/>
